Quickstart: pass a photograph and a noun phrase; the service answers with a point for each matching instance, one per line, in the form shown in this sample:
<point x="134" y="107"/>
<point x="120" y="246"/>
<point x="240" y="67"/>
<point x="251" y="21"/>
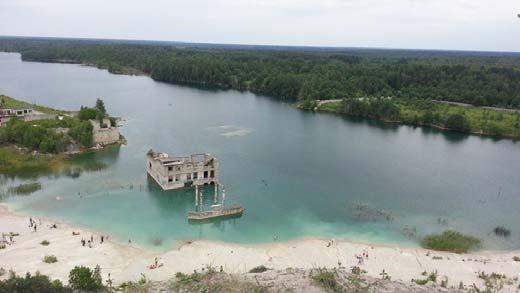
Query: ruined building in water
<point x="177" y="172"/>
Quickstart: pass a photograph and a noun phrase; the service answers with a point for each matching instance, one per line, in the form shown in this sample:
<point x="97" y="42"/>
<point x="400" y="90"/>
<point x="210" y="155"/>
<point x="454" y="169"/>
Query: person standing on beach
<point x="102" y="237"/>
<point x="91" y="238"/>
<point x="35" y="228"/>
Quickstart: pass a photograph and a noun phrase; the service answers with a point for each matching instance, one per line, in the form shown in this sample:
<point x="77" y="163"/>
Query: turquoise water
<point x="297" y="173"/>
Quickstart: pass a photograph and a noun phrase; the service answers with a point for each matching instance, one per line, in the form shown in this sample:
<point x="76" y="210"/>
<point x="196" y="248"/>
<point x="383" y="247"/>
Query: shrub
<point x="45" y="243"/>
<point x="457" y="122"/>
<point x="451" y="241"/>
<point x="516" y="258"/>
<point x="327" y="280"/>
<point x="83" y="278"/>
<point x="50" y="259"/>
<point x="258" y="269"/>
<point x="32" y="284"/>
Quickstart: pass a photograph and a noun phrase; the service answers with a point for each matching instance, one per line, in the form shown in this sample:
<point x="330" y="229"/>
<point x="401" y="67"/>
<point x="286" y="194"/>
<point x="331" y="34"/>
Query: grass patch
<point x="258" y="269"/>
<point x="451" y="241"/>
<point x="50" y="259"/>
<point x="327" y="280"/>
<point x="45" y="243"/>
<point x="26" y="188"/>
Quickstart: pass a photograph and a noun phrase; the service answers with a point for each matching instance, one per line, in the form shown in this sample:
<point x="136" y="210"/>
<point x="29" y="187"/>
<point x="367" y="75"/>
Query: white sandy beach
<point x="125" y="262"/>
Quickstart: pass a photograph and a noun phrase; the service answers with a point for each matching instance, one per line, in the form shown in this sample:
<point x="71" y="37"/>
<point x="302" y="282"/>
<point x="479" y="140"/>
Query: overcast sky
<point x="424" y="24"/>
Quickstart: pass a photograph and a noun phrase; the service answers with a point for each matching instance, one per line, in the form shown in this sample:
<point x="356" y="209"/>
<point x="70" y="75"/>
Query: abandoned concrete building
<point x="103" y="133"/>
<point x="27" y="114"/>
<point x="177" y="172"/>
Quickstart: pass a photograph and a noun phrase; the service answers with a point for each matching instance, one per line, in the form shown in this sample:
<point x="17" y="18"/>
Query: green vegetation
<point x="13" y="161"/>
<point x="26" y="188"/>
<point x="451" y="241"/>
<point x="45" y="243"/>
<point x="483" y="121"/>
<point x="299" y="74"/>
<point x="42" y="135"/>
<point x="516" y="258"/>
<point x="258" y="269"/>
<point x="8" y="102"/>
<point x="327" y="280"/>
<point x="50" y="259"/>
<point x="431" y="277"/>
<point x="83" y="278"/>
<point x="212" y="281"/>
<point x="32" y="284"/>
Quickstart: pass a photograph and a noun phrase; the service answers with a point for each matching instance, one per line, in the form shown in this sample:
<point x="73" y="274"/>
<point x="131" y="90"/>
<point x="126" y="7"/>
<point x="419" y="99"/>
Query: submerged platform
<point x="217" y="211"/>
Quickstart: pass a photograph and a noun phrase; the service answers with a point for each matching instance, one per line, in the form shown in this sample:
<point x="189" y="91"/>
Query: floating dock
<point x="217" y="210"/>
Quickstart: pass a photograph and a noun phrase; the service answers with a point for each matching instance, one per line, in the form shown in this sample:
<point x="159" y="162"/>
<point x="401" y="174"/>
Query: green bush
<point x="516" y="258"/>
<point x="32" y="284"/>
<point x="457" y="122"/>
<point x="451" y="241"/>
<point x="83" y="278"/>
<point x="45" y="243"/>
<point x="50" y="259"/>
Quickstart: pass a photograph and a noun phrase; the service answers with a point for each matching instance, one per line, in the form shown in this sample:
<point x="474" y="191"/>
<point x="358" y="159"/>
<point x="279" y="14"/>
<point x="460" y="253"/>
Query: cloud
<point x="439" y="24"/>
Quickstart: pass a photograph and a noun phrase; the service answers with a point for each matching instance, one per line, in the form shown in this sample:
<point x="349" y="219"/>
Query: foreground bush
<point x="451" y="241"/>
<point x="32" y="284"/>
<point x="83" y="278"/>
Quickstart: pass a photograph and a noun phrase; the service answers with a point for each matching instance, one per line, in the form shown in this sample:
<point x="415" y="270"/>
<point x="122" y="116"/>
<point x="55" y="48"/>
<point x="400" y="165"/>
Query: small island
<point x="38" y="138"/>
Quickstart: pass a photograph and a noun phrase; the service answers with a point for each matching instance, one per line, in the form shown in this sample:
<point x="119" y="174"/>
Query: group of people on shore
<point x="4" y="240"/>
<point x="361" y="258"/>
<point x="90" y="242"/>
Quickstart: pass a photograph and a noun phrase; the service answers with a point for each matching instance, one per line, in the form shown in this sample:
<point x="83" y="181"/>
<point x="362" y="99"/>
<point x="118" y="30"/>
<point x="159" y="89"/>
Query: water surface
<point x="297" y="173"/>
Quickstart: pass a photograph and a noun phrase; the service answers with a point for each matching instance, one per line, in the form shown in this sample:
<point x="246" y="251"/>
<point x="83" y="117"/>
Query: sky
<point x="491" y="25"/>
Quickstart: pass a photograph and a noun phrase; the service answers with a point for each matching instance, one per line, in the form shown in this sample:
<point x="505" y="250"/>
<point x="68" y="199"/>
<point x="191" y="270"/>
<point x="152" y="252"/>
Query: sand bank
<point x="127" y="262"/>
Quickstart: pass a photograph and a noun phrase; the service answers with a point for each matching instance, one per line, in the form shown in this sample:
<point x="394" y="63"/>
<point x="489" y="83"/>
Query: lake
<point x="298" y="174"/>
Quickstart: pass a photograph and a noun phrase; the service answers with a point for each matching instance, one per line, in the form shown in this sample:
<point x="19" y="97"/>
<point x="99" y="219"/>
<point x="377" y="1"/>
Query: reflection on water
<point x="297" y="173"/>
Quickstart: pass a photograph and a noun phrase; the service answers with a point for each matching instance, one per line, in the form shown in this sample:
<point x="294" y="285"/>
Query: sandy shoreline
<point x="127" y="262"/>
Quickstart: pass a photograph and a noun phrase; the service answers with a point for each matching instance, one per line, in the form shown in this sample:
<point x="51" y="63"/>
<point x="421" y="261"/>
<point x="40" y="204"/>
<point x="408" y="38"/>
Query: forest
<point x="298" y="74"/>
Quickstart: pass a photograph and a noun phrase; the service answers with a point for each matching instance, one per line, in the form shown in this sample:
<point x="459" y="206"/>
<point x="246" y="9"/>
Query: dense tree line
<point x="490" y="79"/>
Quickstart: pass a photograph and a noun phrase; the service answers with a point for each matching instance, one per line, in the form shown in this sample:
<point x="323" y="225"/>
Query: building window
<point x="212" y="174"/>
<point x="188" y="176"/>
<point x="170" y="179"/>
<point x="205" y="174"/>
<point x="177" y="178"/>
<point x="195" y="175"/>
<point x="149" y="165"/>
<point x="170" y="168"/>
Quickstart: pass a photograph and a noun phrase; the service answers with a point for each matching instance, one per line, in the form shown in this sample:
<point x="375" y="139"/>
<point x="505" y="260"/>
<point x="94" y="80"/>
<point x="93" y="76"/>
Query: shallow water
<point x="297" y="173"/>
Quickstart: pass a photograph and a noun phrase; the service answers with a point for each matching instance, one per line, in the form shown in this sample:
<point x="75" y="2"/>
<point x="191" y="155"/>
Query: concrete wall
<point x="180" y="176"/>
<point x="104" y="136"/>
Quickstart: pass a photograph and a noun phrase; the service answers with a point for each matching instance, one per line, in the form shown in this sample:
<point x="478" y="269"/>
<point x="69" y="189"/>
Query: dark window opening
<point x="212" y="174"/>
<point x="170" y="178"/>
<point x="170" y="168"/>
<point x="205" y="174"/>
